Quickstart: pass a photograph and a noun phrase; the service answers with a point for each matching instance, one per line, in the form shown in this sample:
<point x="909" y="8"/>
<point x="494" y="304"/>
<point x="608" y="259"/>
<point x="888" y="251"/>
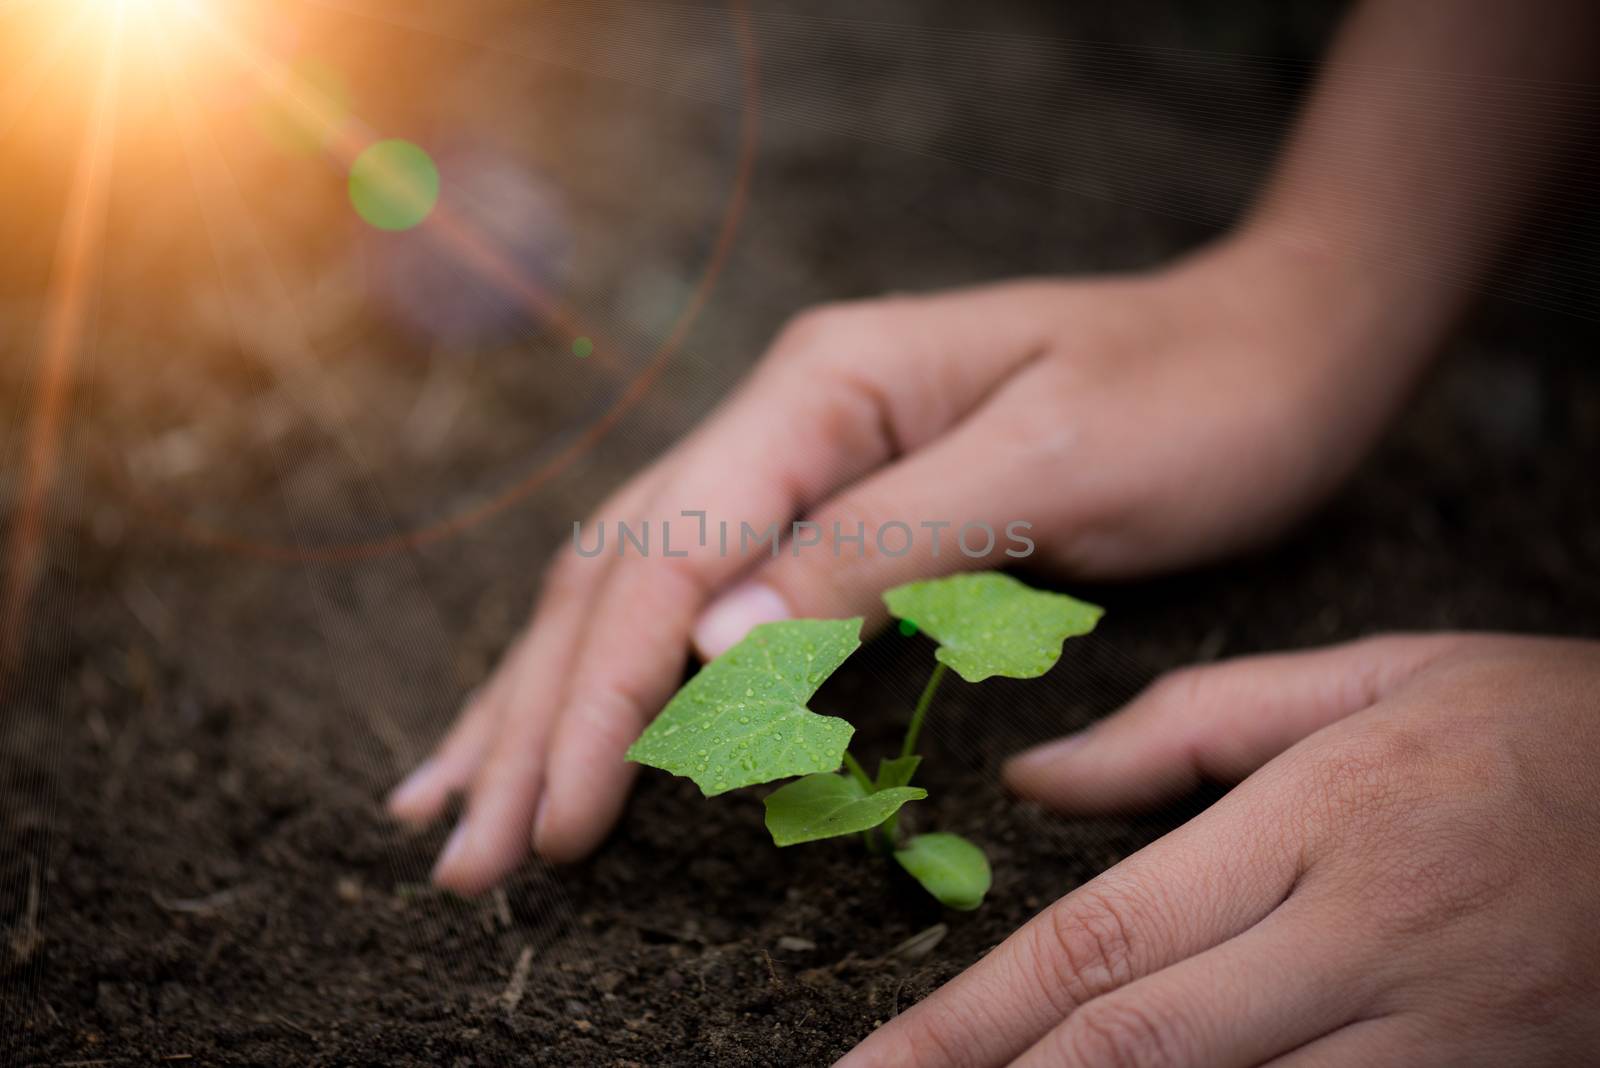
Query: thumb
<point x="939" y="510"/>
<point x="1219" y="722"/>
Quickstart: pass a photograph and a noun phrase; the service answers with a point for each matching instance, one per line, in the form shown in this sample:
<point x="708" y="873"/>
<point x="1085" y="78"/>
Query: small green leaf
<point x="826" y="806"/>
<point x="949" y="867"/>
<point x="743" y="719"/>
<point x="896" y="772"/>
<point x="991" y="624"/>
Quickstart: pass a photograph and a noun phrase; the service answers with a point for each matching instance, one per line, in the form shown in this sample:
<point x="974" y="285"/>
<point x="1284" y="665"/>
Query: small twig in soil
<point x="518" y="985"/>
<point x="149" y="610"/>
<point x="210" y="903"/>
<point x="502" y="906"/>
<point x="772" y="970"/>
<point x="920" y="944"/>
<point x="707" y="960"/>
<point x="291" y="1025"/>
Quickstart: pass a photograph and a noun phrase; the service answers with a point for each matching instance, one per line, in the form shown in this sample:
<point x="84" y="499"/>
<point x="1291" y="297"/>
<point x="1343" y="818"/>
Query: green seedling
<point x="743" y="720"/>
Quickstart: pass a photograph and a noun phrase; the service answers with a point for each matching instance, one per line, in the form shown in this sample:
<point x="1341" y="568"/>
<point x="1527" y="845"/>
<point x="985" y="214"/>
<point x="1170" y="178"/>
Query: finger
<point x="1284" y="982"/>
<point x="1396" y="1041"/>
<point x="635" y="639"/>
<point x="607" y="695"/>
<point x="837" y="400"/>
<point x="900" y="374"/>
<point x="1219" y="722"/>
<point x="422" y="796"/>
<point x="622" y="679"/>
<point x="504" y="772"/>
<point x="1198" y="886"/>
<point x="941" y="510"/>
<point x="635" y="642"/>
<point x="492" y="836"/>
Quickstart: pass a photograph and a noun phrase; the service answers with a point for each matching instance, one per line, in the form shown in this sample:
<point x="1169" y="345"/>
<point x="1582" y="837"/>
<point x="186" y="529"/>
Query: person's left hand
<point x="1410" y="879"/>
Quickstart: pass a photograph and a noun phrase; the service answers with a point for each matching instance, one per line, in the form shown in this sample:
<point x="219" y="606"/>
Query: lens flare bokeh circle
<point x="394" y="185"/>
<point x="398" y="189"/>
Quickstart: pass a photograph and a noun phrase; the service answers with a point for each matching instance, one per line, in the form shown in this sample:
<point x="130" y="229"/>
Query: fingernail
<point x="453" y="847"/>
<point x="538" y="820"/>
<point x="731" y="616"/>
<point x="411" y="786"/>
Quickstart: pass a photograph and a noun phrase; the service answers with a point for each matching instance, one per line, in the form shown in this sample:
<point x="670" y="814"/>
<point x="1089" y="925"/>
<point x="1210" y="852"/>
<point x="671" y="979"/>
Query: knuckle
<point x="1117" y="1033"/>
<point x="1411" y="828"/>
<point x="811" y="334"/>
<point x="1184" y="687"/>
<point x="824" y="329"/>
<point x="824" y="355"/>
<point x="1087" y="949"/>
<point x="946" y="1043"/>
<point x="853" y="418"/>
<point x="945" y="1039"/>
<point x="1367" y="777"/>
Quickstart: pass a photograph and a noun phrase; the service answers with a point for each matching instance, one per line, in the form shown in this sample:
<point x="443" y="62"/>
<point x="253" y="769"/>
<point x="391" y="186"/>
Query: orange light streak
<point x="63" y="331"/>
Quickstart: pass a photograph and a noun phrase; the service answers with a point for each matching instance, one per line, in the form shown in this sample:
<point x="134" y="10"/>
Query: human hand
<point x="1136" y="423"/>
<point x="1411" y="882"/>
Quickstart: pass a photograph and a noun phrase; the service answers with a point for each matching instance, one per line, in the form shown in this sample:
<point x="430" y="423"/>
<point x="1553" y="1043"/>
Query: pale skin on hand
<point x="1143" y="423"/>
<point x="1408" y="878"/>
<point x="958" y="405"/>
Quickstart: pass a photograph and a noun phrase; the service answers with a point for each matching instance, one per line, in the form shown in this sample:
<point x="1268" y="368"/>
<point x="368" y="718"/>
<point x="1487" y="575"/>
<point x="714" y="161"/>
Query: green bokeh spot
<point x="582" y="347"/>
<point x="394" y="185"/>
<point x="908" y="628"/>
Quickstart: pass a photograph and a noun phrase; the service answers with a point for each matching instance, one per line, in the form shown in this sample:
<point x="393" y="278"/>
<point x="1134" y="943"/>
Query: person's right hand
<point x="1137" y="423"/>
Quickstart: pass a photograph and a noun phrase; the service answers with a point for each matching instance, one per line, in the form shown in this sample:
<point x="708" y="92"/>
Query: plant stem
<point x="869" y="836"/>
<point x="891" y="826"/>
<point x="921" y="711"/>
<point x="856" y="770"/>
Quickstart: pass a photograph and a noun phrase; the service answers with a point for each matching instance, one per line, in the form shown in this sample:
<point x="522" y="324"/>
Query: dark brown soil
<point x="194" y="865"/>
<point x="217" y="882"/>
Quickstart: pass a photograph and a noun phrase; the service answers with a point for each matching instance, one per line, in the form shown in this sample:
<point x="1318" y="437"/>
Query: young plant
<point x="743" y="720"/>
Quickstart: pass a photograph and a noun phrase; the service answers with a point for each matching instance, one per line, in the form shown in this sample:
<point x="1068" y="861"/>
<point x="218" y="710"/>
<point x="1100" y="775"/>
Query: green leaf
<point x="826" y="806"/>
<point x="743" y="719"/>
<point x="896" y="772"/>
<point x="949" y="867"/>
<point x="991" y="624"/>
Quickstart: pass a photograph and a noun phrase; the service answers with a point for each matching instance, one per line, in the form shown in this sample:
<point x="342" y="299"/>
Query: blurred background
<point x="321" y="321"/>
<point x="247" y="328"/>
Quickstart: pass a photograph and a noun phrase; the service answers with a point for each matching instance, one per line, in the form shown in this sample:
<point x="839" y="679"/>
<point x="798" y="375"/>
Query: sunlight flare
<point x="144" y="32"/>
